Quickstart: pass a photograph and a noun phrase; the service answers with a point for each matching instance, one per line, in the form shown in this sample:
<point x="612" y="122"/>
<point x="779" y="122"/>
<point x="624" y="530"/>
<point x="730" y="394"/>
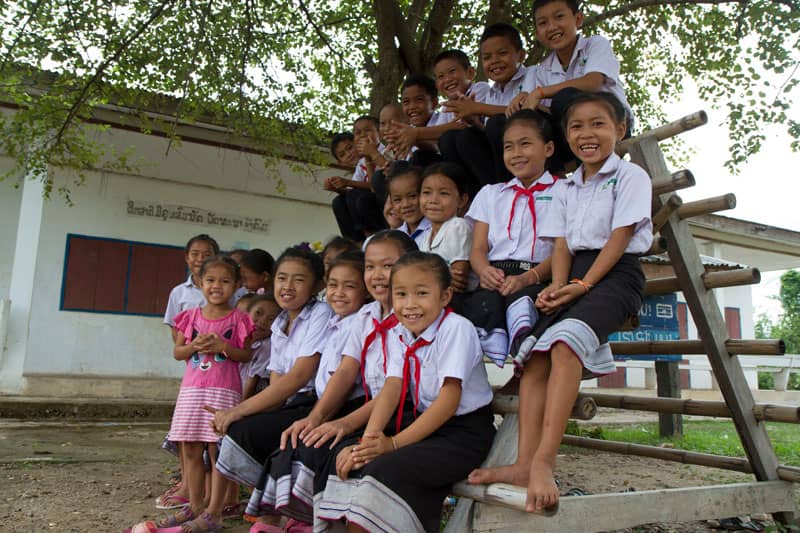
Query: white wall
<point x="9" y="215"/>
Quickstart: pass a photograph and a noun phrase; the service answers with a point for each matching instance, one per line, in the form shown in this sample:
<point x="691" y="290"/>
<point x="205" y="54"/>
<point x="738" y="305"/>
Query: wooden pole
<point x="659" y="245"/>
<point x="668" y="385"/>
<point x="711" y="280"/>
<point x="689" y="122"/>
<point x="738" y="464"/>
<point x="584" y="408"/>
<point x="707" y="206"/>
<point x="682" y="179"/>
<point x="671" y="204"/>
<point x="687" y="347"/>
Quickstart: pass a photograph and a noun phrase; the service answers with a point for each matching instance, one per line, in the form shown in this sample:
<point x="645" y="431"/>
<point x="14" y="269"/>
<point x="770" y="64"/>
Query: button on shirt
<point x="591" y="54"/>
<point x="492" y="206"/>
<point x="619" y="195"/>
<point x="454" y="352"/>
<point x="338" y="333"/>
<point x="373" y="367"/>
<point x="306" y="337"/>
<point x="497" y="95"/>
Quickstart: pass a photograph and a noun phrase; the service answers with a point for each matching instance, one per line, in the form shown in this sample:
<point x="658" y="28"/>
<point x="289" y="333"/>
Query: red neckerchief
<point x="521" y="191"/>
<point x="411" y="353"/>
<point x="381" y="328"/>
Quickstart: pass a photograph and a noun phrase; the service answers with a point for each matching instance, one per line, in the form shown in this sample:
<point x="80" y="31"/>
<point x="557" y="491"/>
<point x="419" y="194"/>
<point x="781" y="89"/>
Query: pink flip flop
<point x="260" y="527"/>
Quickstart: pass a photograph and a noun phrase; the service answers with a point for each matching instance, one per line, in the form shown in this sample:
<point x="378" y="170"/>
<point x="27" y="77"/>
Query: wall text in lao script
<point x="195" y="215"/>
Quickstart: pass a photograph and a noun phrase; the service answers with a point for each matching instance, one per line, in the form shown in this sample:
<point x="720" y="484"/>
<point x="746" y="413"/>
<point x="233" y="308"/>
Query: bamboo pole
<point x="689" y="122"/>
<point x="659" y="245"/>
<point x="690" y="347"/>
<point x="707" y="206"/>
<point x="712" y="280"/>
<point x="786" y="473"/>
<point x="670" y="205"/>
<point x="682" y="179"/>
<point x="584" y="408"/>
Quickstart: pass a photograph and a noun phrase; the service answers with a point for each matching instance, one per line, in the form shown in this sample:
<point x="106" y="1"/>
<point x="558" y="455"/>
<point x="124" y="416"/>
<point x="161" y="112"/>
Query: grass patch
<point x="707" y="436"/>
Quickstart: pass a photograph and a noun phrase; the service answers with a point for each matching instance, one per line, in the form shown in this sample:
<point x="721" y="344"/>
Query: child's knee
<point x="193" y="451"/>
<point x="562" y="355"/>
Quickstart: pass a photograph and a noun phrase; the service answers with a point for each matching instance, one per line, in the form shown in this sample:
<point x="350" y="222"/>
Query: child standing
<point x="602" y="223"/>
<point x="213" y="340"/>
<point x="398" y="483"/>
<point x="252" y="429"/>
<point x="508" y="253"/>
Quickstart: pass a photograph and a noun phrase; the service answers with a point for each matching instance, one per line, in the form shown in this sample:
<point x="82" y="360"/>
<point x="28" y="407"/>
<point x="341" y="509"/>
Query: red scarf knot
<point x="521" y="191"/>
<point x="380" y="328"/>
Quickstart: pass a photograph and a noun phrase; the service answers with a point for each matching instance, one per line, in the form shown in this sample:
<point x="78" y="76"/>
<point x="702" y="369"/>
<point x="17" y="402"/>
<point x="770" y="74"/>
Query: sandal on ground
<point x="204" y="522"/>
<point x="261" y="527"/>
<point x="235" y="510"/>
<point x="184" y="515"/>
<point x="296" y="526"/>
<point x="173" y="501"/>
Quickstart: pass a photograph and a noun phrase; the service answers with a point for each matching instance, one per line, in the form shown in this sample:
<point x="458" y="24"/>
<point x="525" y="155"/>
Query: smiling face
<point x="557" y="28"/>
<point x="592" y="135"/>
<point x="346" y="292"/>
<point x="379" y="258"/>
<point x="198" y="252"/>
<point x="365" y="129"/>
<point x="524" y="152"/>
<point x="404" y="192"/>
<point x="499" y="58"/>
<point x="452" y="79"/>
<point x="418" y="297"/>
<point x="294" y="285"/>
<point x="391" y="113"/>
<point x="218" y="284"/>
<point x="439" y="198"/>
<point x="263" y="313"/>
<point x="417" y="105"/>
<point x="252" y="281"/>
<point x="345" y="153"/>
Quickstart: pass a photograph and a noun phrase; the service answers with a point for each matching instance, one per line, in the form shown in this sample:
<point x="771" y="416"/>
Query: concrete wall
<point x="9" y="216"/>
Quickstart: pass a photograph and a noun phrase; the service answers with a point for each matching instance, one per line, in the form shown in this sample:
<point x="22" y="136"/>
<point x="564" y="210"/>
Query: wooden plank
<point x="681" y="179"/>
<point x="668" y="385"/>
<point x="689" y="122"/>
<point x="710" y="280"/>
<point x="603" y="512"/>
<point x="689" y="347"/>
<point x="711" y="327"/>
<point x="502" y="452"/>
<point x="707" y="206"/>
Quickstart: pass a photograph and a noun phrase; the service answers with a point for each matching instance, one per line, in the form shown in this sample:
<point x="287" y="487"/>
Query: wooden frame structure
<point x="500" y="507"/>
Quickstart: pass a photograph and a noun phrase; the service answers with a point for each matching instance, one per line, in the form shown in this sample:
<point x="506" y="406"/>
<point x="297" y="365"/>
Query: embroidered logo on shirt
<point x="611" y="182"/>
<point x="544" y="198"/>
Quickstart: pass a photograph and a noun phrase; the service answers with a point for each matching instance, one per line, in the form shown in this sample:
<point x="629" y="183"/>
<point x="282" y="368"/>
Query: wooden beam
<point x="682" y="179"/>
<point x="690" y="347"/>
<point x="710" y="280"/>
<point x="670" y="205"/>
<point x="711" y="326"/>
<point x="707" y="206"/>
<point x="584" y="408"/>
<point x="659" y="246"/>
<point x="621" y="510"/>
<point x="689" y="122"/>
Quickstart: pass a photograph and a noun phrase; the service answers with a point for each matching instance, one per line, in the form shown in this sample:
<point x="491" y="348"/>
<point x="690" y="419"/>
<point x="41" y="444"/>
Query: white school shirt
<point x="361" y="173"/>
<point x="492" y="205"/>
<point x="260" y="360"/>
<point x="585" y="214"/>
<point x="418" y="234"/>
<point x="306" y="337"/>
<point x="183" y="296"/>
<point x="454" y="352"/>
<point x="453" y="242"/>
<point x="497" y="95"/>
<point x="591" y="54"/>
<point x="477" y="90"/>
<point x="373" y="366"/>
<point x="338" y="333"/>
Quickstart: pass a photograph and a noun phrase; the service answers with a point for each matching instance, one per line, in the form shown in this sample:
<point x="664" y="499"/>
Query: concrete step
<point x="26" y="408"/>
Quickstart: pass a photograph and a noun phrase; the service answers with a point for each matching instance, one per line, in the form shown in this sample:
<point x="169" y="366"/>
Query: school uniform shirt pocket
<point x="430" y="384"/>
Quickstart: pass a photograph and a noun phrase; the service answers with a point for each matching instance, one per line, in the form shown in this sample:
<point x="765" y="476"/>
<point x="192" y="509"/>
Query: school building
<point x="83" y="287"/>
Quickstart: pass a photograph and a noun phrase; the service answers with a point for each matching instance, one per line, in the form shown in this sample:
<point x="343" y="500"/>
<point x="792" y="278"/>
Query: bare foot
<point x="514" y="474"/>
<point x="542" y="489"/>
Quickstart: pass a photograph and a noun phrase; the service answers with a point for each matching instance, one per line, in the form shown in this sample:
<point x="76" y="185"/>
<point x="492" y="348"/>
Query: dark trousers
<point x="475" y="150"/>
<point x="358" y="213"/>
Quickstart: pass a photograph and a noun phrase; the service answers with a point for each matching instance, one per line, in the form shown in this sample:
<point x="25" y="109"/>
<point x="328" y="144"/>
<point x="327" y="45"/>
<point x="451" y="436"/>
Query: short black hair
<point x="453" y="171"/>
<point x="455" y="55"/>
<point x="615" y="108"/>
<point x="370" y="118"/>
<point x="340" y="138"/>
<point x="223" y="261"/>
<point x="533" y="118"/>
<point x="426" y="82"/>
<point x="501" y="29"/>
<point x="339" y="243"/>
<point x="305" y="255"/>
<point x="402" y="168"/>
<point x="428" y="261"/>
<point x="352" y="258"/>
<point x="258" y="261"/>
<point x="404" y="243"/>
<point x="574" y="5"/>
<point x="266" y="296"/>
<point x="203" y="238"/>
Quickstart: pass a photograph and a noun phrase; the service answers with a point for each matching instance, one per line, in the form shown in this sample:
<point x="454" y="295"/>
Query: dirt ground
<point x="74" y="476"/>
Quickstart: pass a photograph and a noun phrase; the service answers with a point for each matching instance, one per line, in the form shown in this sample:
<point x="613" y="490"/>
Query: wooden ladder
<point x="500" y="507"/>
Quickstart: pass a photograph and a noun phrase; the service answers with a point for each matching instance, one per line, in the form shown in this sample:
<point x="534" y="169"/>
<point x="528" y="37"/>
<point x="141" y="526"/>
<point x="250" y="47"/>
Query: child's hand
<point x="403" y="138"/>
<point x="335" y="430"/>
<point x="336" y="184"/>
<point x="223" y="418"/>
<point x="371" y="446"/>
<point x="492" y="278"/>
<point x="298" y="430"/>
<point x="203" y="343"/>
<point x="558" y="297"/>
<point x="369" y="147"/>
<point x="462" y="107"/>
<point x="517" y="103"/>
<point x="459" y="274"/>
<point x="216" y="344"/>
<point x="512" y="284"/>
<point x="328" y="184"/>
<point x="532" y="101"/>
<point x="344" y="463"/>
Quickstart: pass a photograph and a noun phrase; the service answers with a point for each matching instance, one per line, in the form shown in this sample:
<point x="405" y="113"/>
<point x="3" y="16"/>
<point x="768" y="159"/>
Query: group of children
<point x="349" y="389"/>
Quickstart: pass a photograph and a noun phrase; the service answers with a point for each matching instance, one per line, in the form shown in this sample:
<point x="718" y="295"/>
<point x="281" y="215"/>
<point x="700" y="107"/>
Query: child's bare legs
<point x="194" y="473"/>
<point x="562" y="390"/>
<point x="532" y="395"/>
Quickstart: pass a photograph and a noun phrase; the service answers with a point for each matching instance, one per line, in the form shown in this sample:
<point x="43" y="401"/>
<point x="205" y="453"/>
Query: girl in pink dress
<point x="213" y="340"/>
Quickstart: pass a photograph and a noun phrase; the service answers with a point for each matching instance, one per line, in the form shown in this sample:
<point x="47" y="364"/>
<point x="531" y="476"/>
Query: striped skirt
<point x="192" y="423"/>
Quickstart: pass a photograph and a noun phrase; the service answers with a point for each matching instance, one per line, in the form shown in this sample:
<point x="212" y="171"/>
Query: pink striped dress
<point x="210" y="379"/>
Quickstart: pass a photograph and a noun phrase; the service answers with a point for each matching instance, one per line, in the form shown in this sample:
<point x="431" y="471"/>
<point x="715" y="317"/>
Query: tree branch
<point x="433" y="36"/>
<point x="320" y="33"/>
<point x="641" y="4"/>
<point x="415" y="12"/>
<point x="21" y="32"/>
